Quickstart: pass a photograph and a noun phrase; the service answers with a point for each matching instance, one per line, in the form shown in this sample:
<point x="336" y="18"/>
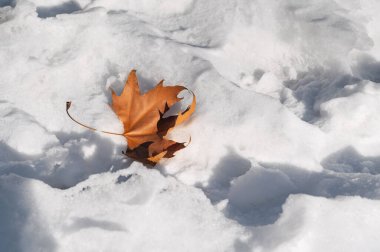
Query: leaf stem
<point x="68" y="105"/>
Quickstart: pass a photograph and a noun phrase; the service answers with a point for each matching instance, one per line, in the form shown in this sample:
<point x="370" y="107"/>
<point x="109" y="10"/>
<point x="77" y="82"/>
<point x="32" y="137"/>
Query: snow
<point x="285" y="144"/>
<point x="354" y="116"/>
<point x="144" y="215"/>
<point x="321" y="226"/>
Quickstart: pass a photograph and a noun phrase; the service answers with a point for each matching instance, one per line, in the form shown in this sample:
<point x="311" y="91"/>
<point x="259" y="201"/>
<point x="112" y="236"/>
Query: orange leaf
<point x="145" y="127"/>
<point x="142" y="115"/>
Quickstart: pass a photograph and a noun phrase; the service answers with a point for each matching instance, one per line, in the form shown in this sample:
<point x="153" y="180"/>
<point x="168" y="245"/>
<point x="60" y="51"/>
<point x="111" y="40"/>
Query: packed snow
<point x="285" y="140"/>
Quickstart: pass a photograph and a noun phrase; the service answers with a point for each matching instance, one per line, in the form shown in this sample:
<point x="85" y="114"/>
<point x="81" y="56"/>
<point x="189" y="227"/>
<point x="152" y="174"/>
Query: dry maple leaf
<point x="142" y="115"/>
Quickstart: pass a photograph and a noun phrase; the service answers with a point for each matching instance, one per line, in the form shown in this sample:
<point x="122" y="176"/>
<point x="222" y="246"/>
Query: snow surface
<point x="285" y="150"/>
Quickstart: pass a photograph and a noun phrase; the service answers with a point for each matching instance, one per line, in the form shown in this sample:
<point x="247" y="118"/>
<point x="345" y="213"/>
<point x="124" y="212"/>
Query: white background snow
<point x="285" y="151"/>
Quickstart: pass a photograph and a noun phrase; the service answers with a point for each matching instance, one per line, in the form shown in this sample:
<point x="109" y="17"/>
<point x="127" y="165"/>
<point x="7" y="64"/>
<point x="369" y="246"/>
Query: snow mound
<point x="311" y="224"/>
<point x="25" y="135"/>
<point x="134" y="209"/>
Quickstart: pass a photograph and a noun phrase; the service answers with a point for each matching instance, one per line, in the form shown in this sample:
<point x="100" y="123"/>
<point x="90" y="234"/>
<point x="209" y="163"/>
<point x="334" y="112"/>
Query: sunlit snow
<point x="285" y="141"/>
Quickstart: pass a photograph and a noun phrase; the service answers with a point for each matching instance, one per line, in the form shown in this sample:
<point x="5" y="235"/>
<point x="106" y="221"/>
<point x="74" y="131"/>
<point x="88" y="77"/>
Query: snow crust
<point x="285" y="150"/>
